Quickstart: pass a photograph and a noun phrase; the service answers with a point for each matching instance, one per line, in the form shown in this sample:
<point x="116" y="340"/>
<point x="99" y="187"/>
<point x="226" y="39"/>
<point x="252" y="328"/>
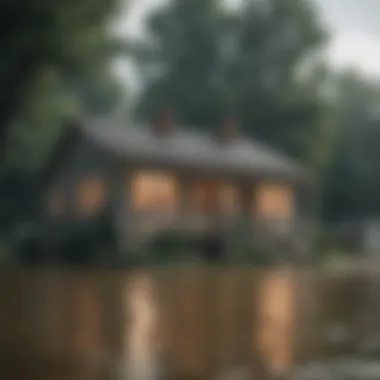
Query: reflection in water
<point x="205" y="320"/>
<point x="141" y="340"/>
<point x="275" y="327"/>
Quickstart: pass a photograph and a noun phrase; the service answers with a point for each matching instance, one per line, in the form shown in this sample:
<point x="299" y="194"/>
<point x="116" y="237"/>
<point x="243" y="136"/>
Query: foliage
<point x="325" y="245"/>
<point x="353" y="179"/>
<point x="169" y="243"/>
<point x="55" y="63"/>
<point x="251" y="64"/>
<point x="31" y="250"/>
<point x="251" y="255"/>
<point x="59" y="54"/>
<point x="243" y="249"/>
<point x="18" y="199"/>
<point x="170" y="247"/>
<point x="6" y="252"/>
<point x="88" y="241"/>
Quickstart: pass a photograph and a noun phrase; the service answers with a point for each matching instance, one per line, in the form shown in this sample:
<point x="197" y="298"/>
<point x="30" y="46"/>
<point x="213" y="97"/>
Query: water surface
<point x="181" y="323"/>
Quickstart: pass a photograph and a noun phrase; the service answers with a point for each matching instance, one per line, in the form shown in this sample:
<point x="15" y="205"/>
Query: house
<point x="164" y="176"/>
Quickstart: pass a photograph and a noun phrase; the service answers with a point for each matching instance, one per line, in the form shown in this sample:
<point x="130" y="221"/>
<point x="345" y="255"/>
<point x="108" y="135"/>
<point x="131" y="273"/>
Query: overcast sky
<point x="356" y="32"/>
<point x="354" y="25"/>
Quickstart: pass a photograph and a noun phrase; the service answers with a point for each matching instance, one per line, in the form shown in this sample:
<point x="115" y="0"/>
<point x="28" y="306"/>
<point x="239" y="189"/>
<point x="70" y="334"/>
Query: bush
<point x="78" y="246"/>
<point x="173" y="247"/>
<point x="88" y="242"/>
<point x="7" y="252"/>
<point x="325" y="246"/>
<point x="168" y="246"/>
<point x="244" y="251"/>
<point x="29" y="243"/>
<point x="251" y="255"/>
<point x="31" y="250"/>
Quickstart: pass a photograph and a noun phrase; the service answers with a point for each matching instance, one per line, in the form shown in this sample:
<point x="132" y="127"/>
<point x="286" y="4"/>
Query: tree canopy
<point x="206" y="62"/>
<point x="54" y="61"/>
<point x="351" y="184"/>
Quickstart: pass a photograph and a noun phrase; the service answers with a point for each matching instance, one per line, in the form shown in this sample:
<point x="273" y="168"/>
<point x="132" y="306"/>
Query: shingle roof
<point x="189" y="149"/>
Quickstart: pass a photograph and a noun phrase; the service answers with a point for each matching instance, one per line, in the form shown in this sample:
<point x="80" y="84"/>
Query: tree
<point x="206" y="62"/>
<point x="351" y="185"/>
<point x="67" y="40"/>
<point x="55" y="63"/>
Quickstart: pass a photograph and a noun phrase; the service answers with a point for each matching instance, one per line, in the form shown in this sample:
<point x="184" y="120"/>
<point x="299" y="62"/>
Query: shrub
<point x="169" y="245"/>
<point x="88" y="241"/>
<point x="29" y="243"/>
<point x="251" y="255"/>
<point x="325" y="245"/>
<point x="7" y="252"/>
<point x="243" y="250"/>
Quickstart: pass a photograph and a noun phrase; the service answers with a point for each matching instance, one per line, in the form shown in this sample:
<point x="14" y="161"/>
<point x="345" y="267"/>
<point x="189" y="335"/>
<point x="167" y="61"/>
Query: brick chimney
<point x="228" y="131"/>
<point x="164" y="123"/>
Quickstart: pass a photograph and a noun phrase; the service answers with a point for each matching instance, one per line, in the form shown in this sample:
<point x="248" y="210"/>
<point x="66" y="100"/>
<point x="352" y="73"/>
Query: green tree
<point x="55" y="63"/>
<point x="65" y="44"/>
<point x="205" y="62"/>
<point x="351" y="184"/>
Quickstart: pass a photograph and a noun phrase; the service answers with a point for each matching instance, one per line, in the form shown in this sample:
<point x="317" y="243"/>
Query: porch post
<point x="182" y="212"/>
<point x="305" y="215"/>
<point x="121" y="207"/>
<point x="245" y="220"/>
<point x="247" y="206"/>
<point x="248" y="220"/>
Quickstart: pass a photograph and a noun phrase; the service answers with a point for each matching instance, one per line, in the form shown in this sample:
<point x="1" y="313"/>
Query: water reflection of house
<point x="275" y="328"/>
<point x="187" y="323"/>
<point x="219" y="321"/>
<point x="161" y="177"/>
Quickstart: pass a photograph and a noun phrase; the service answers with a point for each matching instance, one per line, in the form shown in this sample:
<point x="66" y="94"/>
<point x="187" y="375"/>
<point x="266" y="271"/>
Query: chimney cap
<point x="164" y="122"/>
<point x="229" y="130"/>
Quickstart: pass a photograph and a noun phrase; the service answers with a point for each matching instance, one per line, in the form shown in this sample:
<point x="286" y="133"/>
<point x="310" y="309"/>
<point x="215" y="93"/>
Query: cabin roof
<point x="185" y="147"/>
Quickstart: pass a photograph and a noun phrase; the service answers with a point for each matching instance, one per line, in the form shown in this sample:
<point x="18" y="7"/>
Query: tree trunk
<point x="12" y="97"/>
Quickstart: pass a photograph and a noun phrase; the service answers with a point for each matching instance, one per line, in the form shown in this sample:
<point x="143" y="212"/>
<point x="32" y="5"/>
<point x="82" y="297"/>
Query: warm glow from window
<point x="56" y="203"/>
<point x="211" y="196"/>
<point x="275" y="201"/>
<point x="204" y="197"/>
<point x="276" y="318"/>
<point x="91" y="195"/>
<point x="154" y="190"/>
<point x="228" y="199"/>
<point x="198" y="197"/>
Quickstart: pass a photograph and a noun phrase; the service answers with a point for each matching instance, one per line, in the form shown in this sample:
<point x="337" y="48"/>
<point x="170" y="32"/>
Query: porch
<point x="147" y="202"/>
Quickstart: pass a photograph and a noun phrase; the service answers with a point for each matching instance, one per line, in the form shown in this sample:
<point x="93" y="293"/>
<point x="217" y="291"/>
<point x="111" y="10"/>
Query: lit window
<point x="154" y="191"/>
<point x="204" y="197"/>
<point x="91" y="196"/>
<point x="275" y="202"/>
<point x="198" y="197"/>
<point x="228" y="199"/>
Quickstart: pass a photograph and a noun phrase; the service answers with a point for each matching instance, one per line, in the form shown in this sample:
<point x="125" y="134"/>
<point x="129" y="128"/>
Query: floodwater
<point x="188" y="324"/>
